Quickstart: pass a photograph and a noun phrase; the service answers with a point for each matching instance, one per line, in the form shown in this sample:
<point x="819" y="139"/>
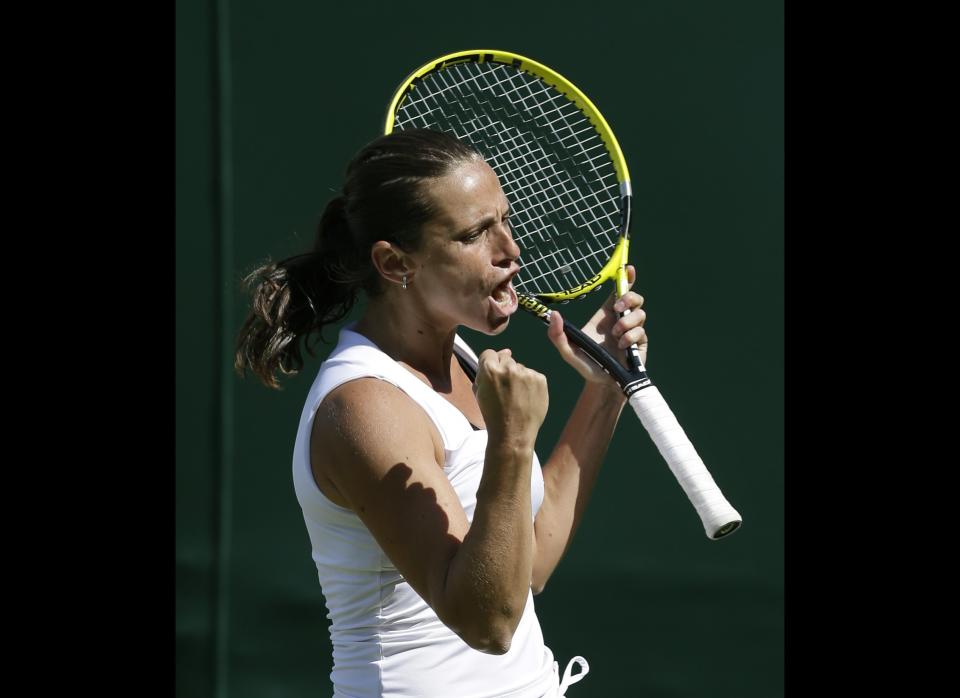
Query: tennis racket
<point x="562" y="170"/>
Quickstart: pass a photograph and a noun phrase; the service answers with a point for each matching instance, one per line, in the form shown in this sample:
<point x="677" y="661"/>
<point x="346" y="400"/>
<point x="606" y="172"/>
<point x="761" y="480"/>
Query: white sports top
<point x="386" y="640"/>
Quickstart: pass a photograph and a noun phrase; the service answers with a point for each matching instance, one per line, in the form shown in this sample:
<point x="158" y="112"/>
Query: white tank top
<point x="386" y="640"/>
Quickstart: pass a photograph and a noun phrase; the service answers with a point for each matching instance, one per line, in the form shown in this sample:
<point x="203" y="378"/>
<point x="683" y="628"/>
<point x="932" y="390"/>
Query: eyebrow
<point x="483" y="222"/>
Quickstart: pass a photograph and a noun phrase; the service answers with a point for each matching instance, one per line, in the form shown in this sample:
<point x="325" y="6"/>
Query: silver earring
<point x="404" y="281"/>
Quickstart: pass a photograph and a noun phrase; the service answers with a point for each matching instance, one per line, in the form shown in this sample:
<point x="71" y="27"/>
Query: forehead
<point x="466" y="194"/>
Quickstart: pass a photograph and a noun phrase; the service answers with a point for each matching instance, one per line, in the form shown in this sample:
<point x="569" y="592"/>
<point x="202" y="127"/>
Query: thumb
<point x="555" y="332"/>
<point x="569" y="353"/>
<point x="559" y="337"/>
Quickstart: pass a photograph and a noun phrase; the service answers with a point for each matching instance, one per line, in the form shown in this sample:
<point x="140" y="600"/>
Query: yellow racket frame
<point x="615" y="268"/>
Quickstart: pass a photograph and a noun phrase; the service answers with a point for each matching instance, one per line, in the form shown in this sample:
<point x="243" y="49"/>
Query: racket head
<point x="557" y="159"/>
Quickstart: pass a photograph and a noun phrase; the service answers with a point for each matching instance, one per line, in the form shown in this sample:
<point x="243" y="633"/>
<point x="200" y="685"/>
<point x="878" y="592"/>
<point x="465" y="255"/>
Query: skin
<point x="376" y="452"/>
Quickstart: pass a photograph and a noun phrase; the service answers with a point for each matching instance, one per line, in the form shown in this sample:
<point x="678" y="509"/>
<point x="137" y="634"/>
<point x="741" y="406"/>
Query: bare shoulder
<point x="370" y="424"/>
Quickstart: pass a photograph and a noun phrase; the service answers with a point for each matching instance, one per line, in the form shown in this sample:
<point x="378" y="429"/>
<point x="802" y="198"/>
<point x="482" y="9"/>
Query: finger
<point x="507" y="362"/>
<point x="631" y="274"/>
<point x="634" y="336"/>
<point x="488" y="356"/>
<point x="495" y="356"/>
<point x="629" y="300"/>
<point x="555" y="331"/>
<point x="567" y="351"/>
<point x="634" y="318"/>
<point x="558" y="336"/>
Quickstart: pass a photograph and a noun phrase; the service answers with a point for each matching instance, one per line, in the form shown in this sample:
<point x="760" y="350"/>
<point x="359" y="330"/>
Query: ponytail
<point x="383" y="199"/>
<point x="293" y="299"/>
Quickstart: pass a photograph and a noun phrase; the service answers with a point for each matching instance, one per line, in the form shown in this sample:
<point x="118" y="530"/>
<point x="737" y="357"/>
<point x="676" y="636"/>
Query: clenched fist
<point x="513" y="398"/>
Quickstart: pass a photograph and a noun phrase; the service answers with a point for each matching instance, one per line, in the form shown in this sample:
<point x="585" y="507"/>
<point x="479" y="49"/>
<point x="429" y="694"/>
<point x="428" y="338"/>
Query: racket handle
<point x="719" y="518"/>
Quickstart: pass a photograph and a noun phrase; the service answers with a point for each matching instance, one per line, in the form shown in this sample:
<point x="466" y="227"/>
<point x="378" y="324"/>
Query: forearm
<point x="488" y="577"/>
<point x="570" y="473"/>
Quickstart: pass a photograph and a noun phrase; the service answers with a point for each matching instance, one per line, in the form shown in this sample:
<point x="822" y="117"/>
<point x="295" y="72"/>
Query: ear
<point x="391" y="262"/>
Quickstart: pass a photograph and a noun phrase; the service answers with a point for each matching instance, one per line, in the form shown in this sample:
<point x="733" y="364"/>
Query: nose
<point x="508" y="248"/>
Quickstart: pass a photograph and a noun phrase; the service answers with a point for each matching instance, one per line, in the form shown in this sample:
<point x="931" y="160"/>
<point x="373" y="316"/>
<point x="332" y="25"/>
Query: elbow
<point x="537" y="588"/>
<point x="492" y="635"/>
<point x="494" y="641"/>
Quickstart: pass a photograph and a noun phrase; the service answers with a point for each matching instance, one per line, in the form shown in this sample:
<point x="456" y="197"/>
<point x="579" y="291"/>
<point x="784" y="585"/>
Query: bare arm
<point x="571" y="470"/>
<point x="385" y="459"/>
<point x="569" y="476"/>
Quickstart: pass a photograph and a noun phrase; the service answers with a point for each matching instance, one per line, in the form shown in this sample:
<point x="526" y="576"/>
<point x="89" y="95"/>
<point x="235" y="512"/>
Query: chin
<point x="499" y="327"/>
<point x="493" y="328"/>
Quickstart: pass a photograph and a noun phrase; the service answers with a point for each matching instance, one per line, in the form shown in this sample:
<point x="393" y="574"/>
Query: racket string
<point x="553" y="166"/>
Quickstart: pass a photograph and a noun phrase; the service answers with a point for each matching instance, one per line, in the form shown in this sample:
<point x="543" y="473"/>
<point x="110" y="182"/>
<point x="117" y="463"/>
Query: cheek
<point x="463" y="273"/>
<point x="457" y="275"/>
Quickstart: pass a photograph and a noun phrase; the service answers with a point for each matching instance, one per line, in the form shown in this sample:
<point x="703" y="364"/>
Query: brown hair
<point x="383" y="199"/>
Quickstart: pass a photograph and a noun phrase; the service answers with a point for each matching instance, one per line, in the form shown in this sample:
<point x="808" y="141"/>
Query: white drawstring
<point x="569" y="678"/>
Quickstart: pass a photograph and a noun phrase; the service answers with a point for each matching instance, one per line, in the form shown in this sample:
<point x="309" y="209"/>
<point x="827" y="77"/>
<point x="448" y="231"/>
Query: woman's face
<point x="467" y="256"/>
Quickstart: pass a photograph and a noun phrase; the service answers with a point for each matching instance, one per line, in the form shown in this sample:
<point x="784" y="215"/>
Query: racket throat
<point x="630" y="381"/>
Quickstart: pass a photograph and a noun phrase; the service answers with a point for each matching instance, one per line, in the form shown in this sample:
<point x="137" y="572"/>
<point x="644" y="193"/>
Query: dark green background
<point x="272" y="100"/>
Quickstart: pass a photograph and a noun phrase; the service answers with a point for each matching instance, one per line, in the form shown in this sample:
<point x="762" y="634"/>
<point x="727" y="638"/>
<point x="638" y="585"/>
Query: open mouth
<point x="505" y="297"/>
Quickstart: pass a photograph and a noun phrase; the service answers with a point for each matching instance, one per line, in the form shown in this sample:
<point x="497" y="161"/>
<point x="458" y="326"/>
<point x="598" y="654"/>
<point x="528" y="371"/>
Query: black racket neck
<point x="630" y="381"/>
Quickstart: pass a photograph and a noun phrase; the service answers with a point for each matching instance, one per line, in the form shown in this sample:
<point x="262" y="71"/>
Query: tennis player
<point x="432" y="520"/>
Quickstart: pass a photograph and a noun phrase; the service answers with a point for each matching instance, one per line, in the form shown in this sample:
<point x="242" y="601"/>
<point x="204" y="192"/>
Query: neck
<point x="410" y="339"/>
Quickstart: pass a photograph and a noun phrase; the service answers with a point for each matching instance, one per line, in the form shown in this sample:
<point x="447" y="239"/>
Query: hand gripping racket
<point x="569" y="190"/>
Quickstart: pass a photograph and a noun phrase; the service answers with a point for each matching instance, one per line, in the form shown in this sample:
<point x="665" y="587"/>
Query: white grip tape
<point x="687" y="466"/>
